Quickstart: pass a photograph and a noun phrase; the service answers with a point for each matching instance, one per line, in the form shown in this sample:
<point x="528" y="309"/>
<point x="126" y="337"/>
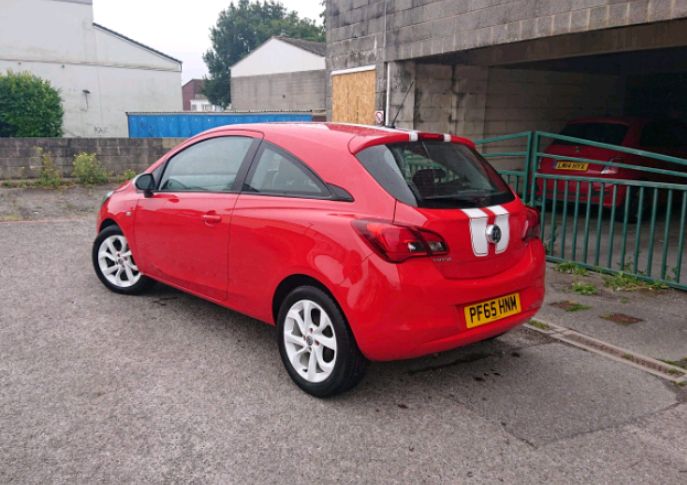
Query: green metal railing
<point x="634" y="225"/>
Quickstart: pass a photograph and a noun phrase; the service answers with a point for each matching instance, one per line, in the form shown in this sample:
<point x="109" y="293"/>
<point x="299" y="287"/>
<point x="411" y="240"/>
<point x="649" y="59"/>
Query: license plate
<point x="564" y="165"/>
<point x="492" y="310"/>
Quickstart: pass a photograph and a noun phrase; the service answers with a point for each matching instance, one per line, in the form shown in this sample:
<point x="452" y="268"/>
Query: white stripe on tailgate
<point x="503" y="221"/>
<point x="478" y="231"/>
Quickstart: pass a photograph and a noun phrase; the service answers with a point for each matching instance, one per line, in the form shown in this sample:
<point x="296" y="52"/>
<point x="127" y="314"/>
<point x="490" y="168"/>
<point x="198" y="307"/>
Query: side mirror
<point x="146" y="183"/>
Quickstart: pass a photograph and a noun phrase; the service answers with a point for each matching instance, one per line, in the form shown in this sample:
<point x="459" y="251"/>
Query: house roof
<point x="139" y="44"/>
<point x="317" y="48"/>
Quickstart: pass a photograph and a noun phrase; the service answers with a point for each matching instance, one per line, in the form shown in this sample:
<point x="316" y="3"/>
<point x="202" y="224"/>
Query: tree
<point x="241" y="28"/>
<point x="29" y="106"/>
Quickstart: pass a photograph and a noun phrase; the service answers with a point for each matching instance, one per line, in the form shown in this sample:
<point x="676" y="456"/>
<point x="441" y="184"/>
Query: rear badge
<point x="493" y="234"/>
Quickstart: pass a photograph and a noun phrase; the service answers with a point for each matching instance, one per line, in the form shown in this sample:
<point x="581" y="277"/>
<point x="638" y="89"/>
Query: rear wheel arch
<point x="292" y="282"/>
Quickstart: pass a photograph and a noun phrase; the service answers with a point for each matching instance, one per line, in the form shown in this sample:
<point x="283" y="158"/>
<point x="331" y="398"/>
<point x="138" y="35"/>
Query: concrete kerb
<point x="658" y="368"/>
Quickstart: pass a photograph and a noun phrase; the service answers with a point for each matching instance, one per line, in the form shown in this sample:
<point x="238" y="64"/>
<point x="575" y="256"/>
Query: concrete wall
<point x="482" y="33"/>
<point x="294" y="91"/>
<point x="57" y="40"/>
<point x="481" y="102"/>
<point x="358" y="32"/>
<point x="525" y="100"/>
<point x="19" y="157"/>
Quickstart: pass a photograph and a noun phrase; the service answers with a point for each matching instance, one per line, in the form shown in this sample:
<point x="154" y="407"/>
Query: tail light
<point x="610" y="170"/>
<point x="397" y="243"/>
<point x="532" y="224"/>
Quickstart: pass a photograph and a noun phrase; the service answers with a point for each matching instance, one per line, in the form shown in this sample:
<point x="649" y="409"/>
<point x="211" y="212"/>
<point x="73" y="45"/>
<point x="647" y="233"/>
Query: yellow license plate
<point x="492" y="310"/>
<point x="563" y="165"/>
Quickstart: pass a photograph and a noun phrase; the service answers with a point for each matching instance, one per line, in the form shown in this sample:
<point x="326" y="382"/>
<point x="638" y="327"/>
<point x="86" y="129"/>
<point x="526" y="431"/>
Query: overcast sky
<point x="179" y="28"/>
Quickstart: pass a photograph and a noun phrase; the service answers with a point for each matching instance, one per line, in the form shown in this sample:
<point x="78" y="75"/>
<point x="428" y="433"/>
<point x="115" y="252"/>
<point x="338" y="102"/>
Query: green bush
<point x="29" y="107"/>
<point x="49" y="176"/>
<point x="127" y="174"/>
<point x="88" y="170"/>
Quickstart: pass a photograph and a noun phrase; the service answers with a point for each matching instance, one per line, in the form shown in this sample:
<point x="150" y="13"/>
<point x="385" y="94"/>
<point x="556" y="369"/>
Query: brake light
<point x="398" y="243"/>
<point x="532" y="224"/>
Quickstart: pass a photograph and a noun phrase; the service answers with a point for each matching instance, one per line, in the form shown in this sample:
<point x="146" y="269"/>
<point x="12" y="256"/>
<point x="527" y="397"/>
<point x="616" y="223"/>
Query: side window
<point x="278" y="174"/>
<point x="207" y="166"/>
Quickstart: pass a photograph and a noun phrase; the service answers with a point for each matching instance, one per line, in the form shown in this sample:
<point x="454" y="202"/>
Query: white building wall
<point x="277" y="57"/>
<point x="56" y="40"/>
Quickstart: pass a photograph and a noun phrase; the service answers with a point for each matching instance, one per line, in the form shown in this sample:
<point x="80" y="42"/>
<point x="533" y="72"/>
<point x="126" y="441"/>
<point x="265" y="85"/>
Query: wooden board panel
<point x="353" y="97"/>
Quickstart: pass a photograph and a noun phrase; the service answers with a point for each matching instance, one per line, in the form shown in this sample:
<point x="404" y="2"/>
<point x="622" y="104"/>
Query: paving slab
<point x="661" y="333"/>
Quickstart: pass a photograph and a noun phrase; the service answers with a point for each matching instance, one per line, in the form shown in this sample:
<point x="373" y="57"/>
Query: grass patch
<point x="576" y="307"/>
<point x="539" y="325"/>
<point x="682" y="363"/>
<point x="626" y="282"/>
<point x="582" y="288"/>
<point x="571" y="268"/>
<point x="12" y="217"/>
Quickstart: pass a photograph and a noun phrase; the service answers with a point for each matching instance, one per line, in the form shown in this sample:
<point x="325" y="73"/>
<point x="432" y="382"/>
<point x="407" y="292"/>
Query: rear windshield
<point x="435" y="175"/>
<point x="611" y="133"/>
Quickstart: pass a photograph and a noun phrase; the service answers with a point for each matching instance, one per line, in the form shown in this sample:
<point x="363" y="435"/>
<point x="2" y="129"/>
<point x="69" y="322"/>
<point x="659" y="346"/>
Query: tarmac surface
<point x="102" y="388"/>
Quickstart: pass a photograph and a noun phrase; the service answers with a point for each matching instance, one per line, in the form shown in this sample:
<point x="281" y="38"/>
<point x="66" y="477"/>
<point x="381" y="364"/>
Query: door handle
<point x="212" y="219"/>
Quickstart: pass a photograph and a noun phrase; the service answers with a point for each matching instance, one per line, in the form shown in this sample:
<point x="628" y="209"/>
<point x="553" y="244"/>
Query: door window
<point x="276" y="173"/>
<point x="208" y="166"/>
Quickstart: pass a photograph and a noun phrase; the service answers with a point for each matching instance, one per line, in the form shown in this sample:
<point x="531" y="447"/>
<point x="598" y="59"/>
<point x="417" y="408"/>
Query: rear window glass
<point x="611" y="133"/>
<point x="435" y="174"/>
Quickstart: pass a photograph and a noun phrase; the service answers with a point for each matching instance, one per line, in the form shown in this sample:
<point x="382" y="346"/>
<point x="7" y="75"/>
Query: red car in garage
<point x="358" y="243"/>
<point x="667" y="137"/>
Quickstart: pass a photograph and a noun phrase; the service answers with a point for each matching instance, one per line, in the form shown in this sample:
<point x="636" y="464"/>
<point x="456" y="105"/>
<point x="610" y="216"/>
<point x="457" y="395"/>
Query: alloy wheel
<point x="310" y="341"/>
<point x="116" y="262"/>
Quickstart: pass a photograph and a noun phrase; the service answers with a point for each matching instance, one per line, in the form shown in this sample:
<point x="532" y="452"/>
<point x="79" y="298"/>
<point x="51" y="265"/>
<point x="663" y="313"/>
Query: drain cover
<point x="621" y="318"/>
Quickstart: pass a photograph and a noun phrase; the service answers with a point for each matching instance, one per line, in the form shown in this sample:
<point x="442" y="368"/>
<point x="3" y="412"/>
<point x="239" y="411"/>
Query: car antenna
<point x="393" y="122"/>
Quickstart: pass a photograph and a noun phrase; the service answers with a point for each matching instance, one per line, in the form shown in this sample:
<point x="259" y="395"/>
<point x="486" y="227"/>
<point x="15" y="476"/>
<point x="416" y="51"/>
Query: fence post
<point x="531" y="167"/>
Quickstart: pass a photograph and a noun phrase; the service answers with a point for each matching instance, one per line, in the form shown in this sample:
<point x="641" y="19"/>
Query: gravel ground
<point x="97" y="387"/>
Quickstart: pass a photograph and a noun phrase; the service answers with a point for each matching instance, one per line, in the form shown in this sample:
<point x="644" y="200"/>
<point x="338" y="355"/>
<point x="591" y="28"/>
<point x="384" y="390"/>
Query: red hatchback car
<point x="667" y="137"/>
<point x="358" y="243"/>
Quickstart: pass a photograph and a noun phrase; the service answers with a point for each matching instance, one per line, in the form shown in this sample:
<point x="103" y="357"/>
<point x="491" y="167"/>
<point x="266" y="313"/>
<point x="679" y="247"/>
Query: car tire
<point x="115" y="265"/>
<point x="316" y="344"/>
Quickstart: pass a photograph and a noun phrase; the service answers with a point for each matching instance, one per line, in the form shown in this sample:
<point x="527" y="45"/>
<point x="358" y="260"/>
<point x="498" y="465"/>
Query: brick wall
<point x="295" y="91"/>
<point x="19" y="159"/>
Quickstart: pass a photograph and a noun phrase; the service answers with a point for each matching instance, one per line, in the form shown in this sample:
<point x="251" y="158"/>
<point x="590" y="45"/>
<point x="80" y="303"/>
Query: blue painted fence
<point x="184" y="125"/>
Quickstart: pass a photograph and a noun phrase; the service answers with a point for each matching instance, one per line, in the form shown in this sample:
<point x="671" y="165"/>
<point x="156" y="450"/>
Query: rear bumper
<point x="408" y="310"/>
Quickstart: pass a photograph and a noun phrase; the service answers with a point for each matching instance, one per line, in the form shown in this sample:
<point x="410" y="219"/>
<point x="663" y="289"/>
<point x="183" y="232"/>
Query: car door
<point x="281" y="198"/>
<point x="182" y="230"/>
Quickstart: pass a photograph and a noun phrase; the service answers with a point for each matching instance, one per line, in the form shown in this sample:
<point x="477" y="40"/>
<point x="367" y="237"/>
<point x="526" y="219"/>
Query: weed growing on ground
<point x="128" y="174"/>
<point x="626" y="282"/>
<point x="582" y="288"/>
<point x="571" y="268"/>
<point x="50" y="176"/>
<point x="677" y="363"/>
<point x="576" y="307"/>
<point x="88" y="169"/>
<point x="539" y="325"/>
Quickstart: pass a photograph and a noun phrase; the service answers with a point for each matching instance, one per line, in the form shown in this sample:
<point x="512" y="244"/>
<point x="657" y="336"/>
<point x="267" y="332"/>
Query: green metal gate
<point x="634" y="225"/>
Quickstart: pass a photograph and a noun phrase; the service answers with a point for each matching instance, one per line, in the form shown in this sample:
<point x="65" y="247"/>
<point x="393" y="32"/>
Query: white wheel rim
<point x="116" y="262"/>
<point x="310" y="341"/>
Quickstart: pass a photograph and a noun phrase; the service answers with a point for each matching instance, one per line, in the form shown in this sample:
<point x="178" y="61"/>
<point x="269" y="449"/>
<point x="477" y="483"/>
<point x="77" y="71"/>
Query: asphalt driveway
<point x="97" y="387"/>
